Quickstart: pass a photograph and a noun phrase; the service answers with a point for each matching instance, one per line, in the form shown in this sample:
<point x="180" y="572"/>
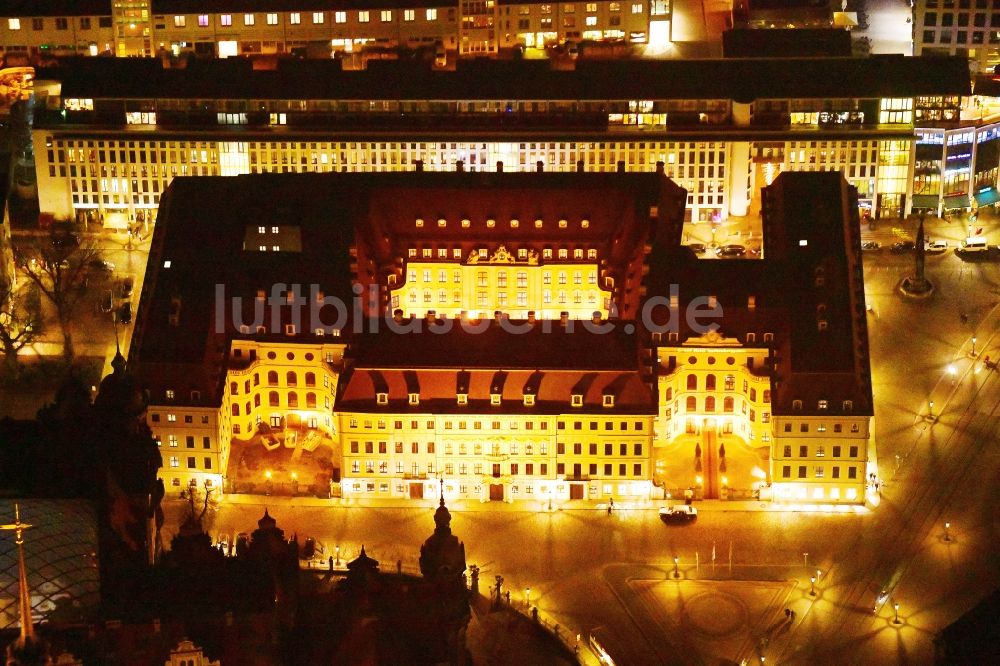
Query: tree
<point x="20" y="322"/>
<point x="59" y="267"/>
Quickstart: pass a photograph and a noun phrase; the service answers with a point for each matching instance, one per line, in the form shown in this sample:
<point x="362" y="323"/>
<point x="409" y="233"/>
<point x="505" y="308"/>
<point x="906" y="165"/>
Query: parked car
<point x="697" y="248"/>
<point x="935" y="246"/>
<point x="902" y="247"/>
<point x="126" y="288"/>
<point x="871" y="246"/>
<point x="101" y="265"/>
<point x="440" y="54"/>
<point x="125" y="313"/>
<point x="731" y="251"/>
<point x="107" y="301"/>
<point x="973" y="244"/>
<point x="65" y="240"/>
<point x="682" y="513"/>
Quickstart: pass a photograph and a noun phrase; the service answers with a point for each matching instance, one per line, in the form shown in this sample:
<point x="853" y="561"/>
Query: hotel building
<point x="110" y="135"/>
<point x="504" y="386"/>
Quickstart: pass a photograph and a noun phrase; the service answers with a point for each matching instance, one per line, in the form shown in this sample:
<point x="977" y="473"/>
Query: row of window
<point x="820" y="451"/>
<point x="512" y="448"/>
<point x="821" y="427"/>
<point x="380" y="424"/>
<point x="206" y="442"/>
<point x="819" y="472"/>
<point x="61" y="23"/>
<point x="520" y="277"/>
<point x="175" y="463"/>
<point x="172" y="418"/>
<point x="273" y="400"/>
<point x="495" y="470"/>
<point x="710" y="404"/>
<point x="729" y="384"/>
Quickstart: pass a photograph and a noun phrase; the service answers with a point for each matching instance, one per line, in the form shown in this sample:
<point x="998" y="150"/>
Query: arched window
<point x="727" y="405"/>
<point x="272" y="399"/>
<point x="256" y="400"/>
<point x="692" y="404"/>
<point x="692" y="382"/>
<point x="710" y="383"/>
<point x="310" y="379"/>
<point x="670" y="393"/>
<point x="290" y="378"/>
<point x="311" y="400"/>
<point x="710" y="404"/>
<point x="236" y="409"/>
<point x="272" y="378"/>
<point x="293" y="399"/>
<point x="234" y="388"/>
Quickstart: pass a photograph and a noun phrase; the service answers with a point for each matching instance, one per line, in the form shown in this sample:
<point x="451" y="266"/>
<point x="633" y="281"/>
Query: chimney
<point x="659" y="167"/>
<point x="539" y="166"/>
<point x="579" y="166"/>
<point x="417" y="165"/>
<point x="460" y="166"/>
<point x="499" y="167"/>
<point x="621" y="166"/>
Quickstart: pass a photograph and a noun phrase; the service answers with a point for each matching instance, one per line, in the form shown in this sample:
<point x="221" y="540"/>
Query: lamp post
<point x="677" y="571"/>
<point x="947" y="534"/>
<point x="527" y="597"/>
<point x="952" y="372"/>
<point x="930" y="411"/>
<point x="973" y="352"/>
<point x="895" y="619"/>
<point x="812" y="586"/>
<point x="338" y="556"/>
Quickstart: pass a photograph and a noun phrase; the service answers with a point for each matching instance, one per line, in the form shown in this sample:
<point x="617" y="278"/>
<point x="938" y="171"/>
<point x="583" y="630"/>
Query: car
<point x="871" y="246"/>
<point x="681" y="513"/>
<point x="697" y="248"/>
<point x="107" y="301"/>
<point x="902" y="247"/>
<point x="125" y="313"/>
<point x="440" y="54"/>
<point x="126" y="288"/>
<point x="65" y="240"/>
<point x="935" y="246"/>
<point x="731" y="251"/>
<point x="973" y="244"/>
<point x="572" y="50"/>
<point x="101" y="265"/>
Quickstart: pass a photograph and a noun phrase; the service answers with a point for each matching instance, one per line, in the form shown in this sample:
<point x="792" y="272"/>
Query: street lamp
<point x="930" y="411"/>
<point x="895" y="619"/>
<point x="812" y="586"/>
<point x="947" y="535"/>
<point x="527" y="597"/>
<point x="973" y="353"/>
<point x="677" y="572"/>
<point x="338" y="556"/>
<point x="952" y="372"/>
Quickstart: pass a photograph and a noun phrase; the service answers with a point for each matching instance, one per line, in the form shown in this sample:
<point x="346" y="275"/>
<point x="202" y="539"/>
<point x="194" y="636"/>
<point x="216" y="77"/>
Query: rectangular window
<point x="636" y="7"/>
<point x="386" y="15"/>
<point x="786" y="472"/>
<point x="409" y="15"/>
<point x="432" y="14"/>
<point x="364" y="17"/>
<point x="272" y="19"/>
<point x="340" y="17"/>
<point x="248" y="19"/>
<point x="191" y="463"/>
<point x="295" y="18"/>
<point x="180" y="21"/>
<point x="202" y="20"/>
<point x="317" y="18"/>
<point x="62" y="24"/>
<point x="14" y="24"/>
<point x="226" y="19"/>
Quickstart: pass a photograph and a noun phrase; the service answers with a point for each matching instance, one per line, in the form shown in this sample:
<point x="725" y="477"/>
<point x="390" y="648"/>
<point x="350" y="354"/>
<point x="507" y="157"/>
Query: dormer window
<point x="529" y="399"/>
<point x="769" y="337"/>
<point x="848" y="405"/>
<point x="576" y="400"/>
<point x="608" y="401"/>
<point x="413" y="398"/>
<point x="494" y="398"/>
<point x="463" y="398"/>
<point x="419" y="223"/>
<point x="381" y="398"/>
<point x="170" y="394"/>
<point x="442" y="223"/>
<point x="797" y="405"/>
<point x="244" y="329"/>
<point x="823" y="404"/>
<point x="289" y="329"/>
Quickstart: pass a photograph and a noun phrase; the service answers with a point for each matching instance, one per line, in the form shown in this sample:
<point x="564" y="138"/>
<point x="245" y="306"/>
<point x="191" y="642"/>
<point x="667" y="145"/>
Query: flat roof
<point x="739" y="79"/>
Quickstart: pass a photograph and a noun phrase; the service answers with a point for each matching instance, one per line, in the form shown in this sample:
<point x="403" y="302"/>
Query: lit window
<point x="409" y="15"/>
<point x="636" y="7"/>
<point x="591" y="20"/>
<point x="15" y="24"/>
<point x="386" y="15"/>
<point x="272" y="19"/>
<point x="364" y="17"/>
<point x="226" y="19"/>
<point x="248" y="19"/>
<point x="317" y="17"/>
<point x="295" y="18"/>
<point x="591" y="6"/>
<point x="340" y="17"/>
<point x="432" y="14"/>
<point x="180" y="21"/>
<point x="202" y="20"/>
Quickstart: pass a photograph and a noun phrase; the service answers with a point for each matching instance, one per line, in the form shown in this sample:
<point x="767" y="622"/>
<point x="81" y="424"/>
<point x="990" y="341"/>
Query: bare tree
<point x="59" y="268"/>
<point x="20" y="322"/>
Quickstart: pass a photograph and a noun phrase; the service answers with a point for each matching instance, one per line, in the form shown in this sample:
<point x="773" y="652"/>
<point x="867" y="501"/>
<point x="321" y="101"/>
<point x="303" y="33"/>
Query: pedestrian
<point x="331" y="563"/>
<point x="611" y="505"/>
<point x="508" y="597"/>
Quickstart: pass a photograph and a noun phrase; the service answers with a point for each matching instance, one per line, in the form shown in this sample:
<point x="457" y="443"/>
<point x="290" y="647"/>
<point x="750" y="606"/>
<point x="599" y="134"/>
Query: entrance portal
<point x="416" y="491"/>
<point x="496" y="492"/>
<point x="576" y="491"/>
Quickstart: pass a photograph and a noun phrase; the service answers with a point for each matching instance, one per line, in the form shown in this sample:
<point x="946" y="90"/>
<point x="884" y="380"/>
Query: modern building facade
<point x="317" y="28"/>
<point x="304" y="334"/>
<point x="966" y="28"/>
<point x="108" y="146"/>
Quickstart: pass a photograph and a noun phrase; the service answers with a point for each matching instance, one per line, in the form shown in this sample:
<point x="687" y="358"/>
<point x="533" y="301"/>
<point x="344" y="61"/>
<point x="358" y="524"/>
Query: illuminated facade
<point x="968" y="28"/>
<point x="315" y="29"/>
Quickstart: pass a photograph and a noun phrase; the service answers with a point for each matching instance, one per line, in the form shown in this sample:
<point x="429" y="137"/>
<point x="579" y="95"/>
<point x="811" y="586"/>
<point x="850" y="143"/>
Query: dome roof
<point x="120" y="391"/>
